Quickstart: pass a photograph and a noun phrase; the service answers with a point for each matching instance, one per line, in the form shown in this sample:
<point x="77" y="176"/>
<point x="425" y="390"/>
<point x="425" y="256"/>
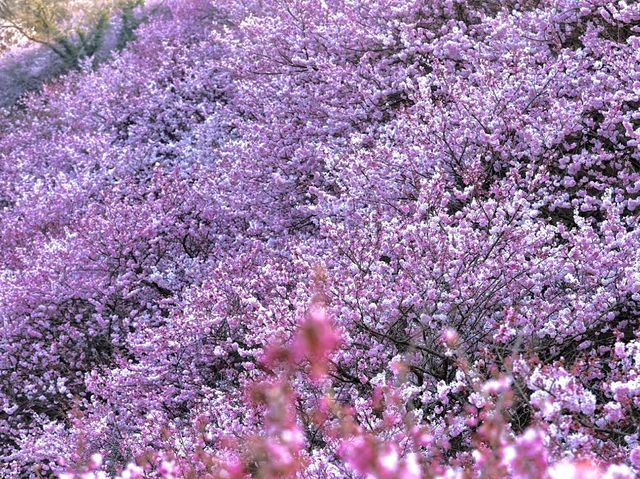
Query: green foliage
<point x="129" y="23"/>
<point x="38" y="20"/>
<point x="91" y="43"/>
<point x="72" y="35"/>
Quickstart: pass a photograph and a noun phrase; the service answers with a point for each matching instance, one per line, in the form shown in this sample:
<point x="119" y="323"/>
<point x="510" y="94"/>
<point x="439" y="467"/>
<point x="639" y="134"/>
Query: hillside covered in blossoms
<point x="392" y="239"/>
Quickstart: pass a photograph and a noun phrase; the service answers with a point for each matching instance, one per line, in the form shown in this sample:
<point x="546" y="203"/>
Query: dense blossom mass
<point x="327" y="239"/>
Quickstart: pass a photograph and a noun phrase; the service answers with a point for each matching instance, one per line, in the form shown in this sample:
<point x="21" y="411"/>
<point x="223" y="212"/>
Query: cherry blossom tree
<point x="329" y="238"/>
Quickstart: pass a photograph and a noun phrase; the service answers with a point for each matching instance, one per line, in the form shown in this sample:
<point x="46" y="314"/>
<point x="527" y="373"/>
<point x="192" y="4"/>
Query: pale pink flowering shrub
<point x="468" y="175"/>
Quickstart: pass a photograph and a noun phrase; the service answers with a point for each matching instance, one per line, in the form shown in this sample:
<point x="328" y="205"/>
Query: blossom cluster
<point x="329" y="238"/>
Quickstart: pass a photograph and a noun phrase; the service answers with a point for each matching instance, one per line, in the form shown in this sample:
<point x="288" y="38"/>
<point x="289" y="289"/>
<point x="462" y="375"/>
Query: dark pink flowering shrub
<point x="327" y="239"/>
